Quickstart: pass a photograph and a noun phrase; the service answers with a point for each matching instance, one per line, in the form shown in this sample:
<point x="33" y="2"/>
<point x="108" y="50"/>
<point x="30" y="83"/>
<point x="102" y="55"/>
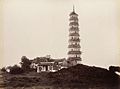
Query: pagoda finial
<point x="73" y="8"/>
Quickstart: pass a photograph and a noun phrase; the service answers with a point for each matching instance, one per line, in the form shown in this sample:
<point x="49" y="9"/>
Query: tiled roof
<point x="74" y="52"/>
<point x="74" y="46"/>
<point x="46" y="60"/>
<point x="73" y="13"/>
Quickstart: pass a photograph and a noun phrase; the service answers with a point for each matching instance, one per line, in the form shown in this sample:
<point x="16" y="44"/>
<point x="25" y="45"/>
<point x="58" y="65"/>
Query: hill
<point x="86" y="76"/>
<point x="79" y="77"/>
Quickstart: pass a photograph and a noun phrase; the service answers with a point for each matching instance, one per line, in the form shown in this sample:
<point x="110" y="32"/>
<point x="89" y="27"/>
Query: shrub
<point x="16" y="70"/>
<point x="114" y="68"/>
<point x="3" y="69"/>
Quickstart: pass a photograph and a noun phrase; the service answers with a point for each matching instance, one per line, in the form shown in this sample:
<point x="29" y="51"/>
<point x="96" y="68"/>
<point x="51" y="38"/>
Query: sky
<point x="36" y="28"/>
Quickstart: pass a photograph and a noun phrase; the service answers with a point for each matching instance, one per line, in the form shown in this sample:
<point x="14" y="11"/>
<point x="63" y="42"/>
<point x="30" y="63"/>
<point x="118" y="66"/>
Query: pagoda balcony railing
<point x="74" y="34"/>
<point x="74" y="39"/>
<point x="74" y="46"/>
<point x="74" y="52"/>
<point x="73" y="23"/>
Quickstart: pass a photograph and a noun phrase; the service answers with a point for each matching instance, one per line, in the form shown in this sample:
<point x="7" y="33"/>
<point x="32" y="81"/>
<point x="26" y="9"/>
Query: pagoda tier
<point x="74" y="52"/>
<point x="73" y="24"/>
<point x="74" y="29"/>
<point x="74" y="46"/>
<point x="74" y="34"/>
<point x="73" y="18"/>
<point x="74" y="40"/>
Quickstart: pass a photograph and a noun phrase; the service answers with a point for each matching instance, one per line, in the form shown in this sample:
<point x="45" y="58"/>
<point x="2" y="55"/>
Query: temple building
<point x="74" y="53"/>
<point x="47" y="64"/>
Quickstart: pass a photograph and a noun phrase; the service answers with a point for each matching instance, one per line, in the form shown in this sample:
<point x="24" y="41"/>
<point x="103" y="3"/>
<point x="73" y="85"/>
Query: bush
<point x="114" y="68"/>
<point x="3" y="69"/>
<point x="16" y="70"/>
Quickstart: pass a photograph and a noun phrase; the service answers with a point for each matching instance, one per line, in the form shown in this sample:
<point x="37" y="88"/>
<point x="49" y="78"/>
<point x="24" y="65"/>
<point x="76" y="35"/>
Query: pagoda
<point x="74" y="53"/>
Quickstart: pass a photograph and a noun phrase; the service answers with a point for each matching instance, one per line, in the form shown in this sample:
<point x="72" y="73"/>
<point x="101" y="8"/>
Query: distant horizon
<point x="39" y="28"/>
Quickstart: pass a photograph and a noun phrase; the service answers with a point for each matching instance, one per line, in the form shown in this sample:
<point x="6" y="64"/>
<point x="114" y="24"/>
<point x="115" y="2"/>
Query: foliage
<point x="16" y="70"/>
<point x="3" y="69"/>
<point x="114" y="69"/>
<point x="25" y="63"/>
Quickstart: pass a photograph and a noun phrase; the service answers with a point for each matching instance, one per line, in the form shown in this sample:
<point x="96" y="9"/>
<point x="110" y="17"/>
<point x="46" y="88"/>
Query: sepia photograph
<point x="59" y="44"/>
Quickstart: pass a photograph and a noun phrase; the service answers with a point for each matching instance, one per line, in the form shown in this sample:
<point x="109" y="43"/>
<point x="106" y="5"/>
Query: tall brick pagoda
<point x="74" y="53"/>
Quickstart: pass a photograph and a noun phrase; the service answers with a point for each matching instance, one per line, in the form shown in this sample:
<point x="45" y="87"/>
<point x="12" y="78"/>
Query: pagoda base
<point x="74" y="58"/>
<point x="72" y="61"/>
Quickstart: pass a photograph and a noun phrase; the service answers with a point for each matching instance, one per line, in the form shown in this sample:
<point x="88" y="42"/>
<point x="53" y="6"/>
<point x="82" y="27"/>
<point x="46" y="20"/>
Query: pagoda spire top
<point x="73" y="12"/>
<point x="73" y="8"/>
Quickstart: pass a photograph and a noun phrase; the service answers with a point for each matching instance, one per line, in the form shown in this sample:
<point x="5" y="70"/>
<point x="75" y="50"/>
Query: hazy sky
<point x="40" y="27"/>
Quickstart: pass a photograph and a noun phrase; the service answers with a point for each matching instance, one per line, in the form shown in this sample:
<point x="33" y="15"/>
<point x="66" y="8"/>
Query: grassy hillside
<point x="85" y="76"/>
<point x="82" y="76"/>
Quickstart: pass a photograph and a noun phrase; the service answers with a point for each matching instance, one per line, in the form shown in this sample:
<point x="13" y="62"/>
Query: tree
<point x="25" y="63"/>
